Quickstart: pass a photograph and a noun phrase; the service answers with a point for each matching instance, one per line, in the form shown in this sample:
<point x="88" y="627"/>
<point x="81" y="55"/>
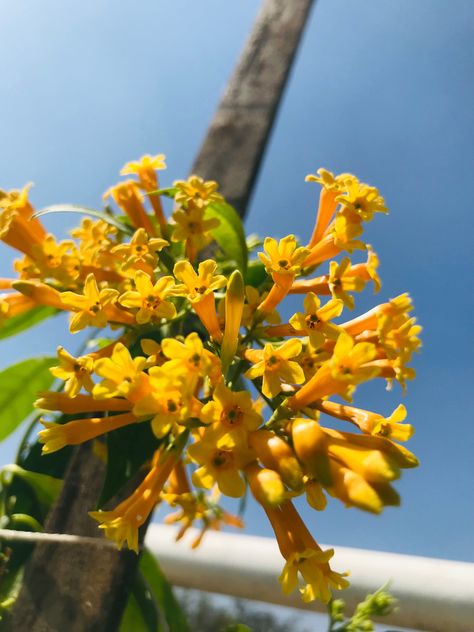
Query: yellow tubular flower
<point x="234" y="306"/>
<point x="276" y="454"/>
<point x="145" y="169"/>
<point x="76" y="372"/>
<point x="304" y="557"/>
<point x="332" y="187"/>
<point x="192" y="227"/>
<point x="127" y="196"/>
<point x="276" y="366"/>
<point x="122" y="523"/>
<point x="282" y="260"/>
<point x="190" y="360"/>
<point x="90" y="305"/>
<point x="199" y="290"/>
<point x="340" y="374"/>
<point x="140" y="253"/>
<point x="367" y="271"/>
<point x="163" y="396"/>
<point x="57" y="436"/>
<point x="221" y="459"/>
<point x="196" y="191"/>
<point x="266" y="484"/>
<point x="149" y="298"/>
<point x="361" y="200"/>
<point x="52" y="401"/>
<point x="120" y="373"/>
<point x="40" y="293"/>
<point x="315" y="322"/>
<point x="231" y="411"/>
<point x="369" y="422"/>
<point x="17" y="228"/>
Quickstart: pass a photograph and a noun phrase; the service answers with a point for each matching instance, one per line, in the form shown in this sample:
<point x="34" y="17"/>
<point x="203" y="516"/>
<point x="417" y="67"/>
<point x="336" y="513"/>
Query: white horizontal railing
<point x="434" y="595"/>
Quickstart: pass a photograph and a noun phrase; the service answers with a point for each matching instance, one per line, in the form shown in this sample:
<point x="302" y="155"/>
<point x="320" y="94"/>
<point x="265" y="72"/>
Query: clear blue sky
<point x="382" y="89"/>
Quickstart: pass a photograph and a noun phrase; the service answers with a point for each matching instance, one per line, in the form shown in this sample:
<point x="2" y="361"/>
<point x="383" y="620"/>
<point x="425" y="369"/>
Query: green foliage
<point x="19" y="385"/>
<point x="45" y="487"/>
<point x="229" y="235"/>
<point x="152" y="606"/>
<point x="377" y="604"/>
<point x="83" y="210"/>
<point x="21" y="322"/>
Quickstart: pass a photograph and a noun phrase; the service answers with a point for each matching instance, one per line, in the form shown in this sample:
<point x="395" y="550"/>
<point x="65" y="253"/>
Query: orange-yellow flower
<point x="76" y="372"/>
<point x="140" y="252"/>
<point x="276" y="366"/>
<point x="149" y="298"/>
<point x="315" y="322"/>
<point x="199" y="290"/>
<point x="231" y="411"/>
<point x="90" y="305"/>
<point x="197" y="191"/>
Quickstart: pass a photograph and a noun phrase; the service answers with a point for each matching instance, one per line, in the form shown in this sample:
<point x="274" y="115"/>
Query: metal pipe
<point x="434" y="595"/>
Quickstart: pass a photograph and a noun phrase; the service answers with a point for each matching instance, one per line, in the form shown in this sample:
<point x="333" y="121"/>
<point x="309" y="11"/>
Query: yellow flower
<point x="150" y="299"/>
<point x="221" y="460"/>
<point x="122" y="523"/>
<point x="90" y="305"/>
<point x="199" y="290"/>
<point x="315" y="321"/>
<point x="361" y="200"/>
<point x="190" y="360"/>
<point x="127" y="196"/>
<point x="254" y="299"/>
<point x="57" y="436"/>
<point x="153" y="350"/>
<point x="304" y="557"/>
<point x="17" y="228"/>
<point x="120" y="373"/>
<point x="276" y="366"/>
<point x="283" y="261"/>
<point x="372" y="423"/>
<point x="145" y="169"/>
<point x="276" y="454"/>
<point x="234" y="307"/>
<point x="192" y="227"/>
<point x="282" y="258"/>
<point x="196" y="191"/>
<point x="340" y="374"/>
<point x="76" y="372"/>
<point x="140" y="252"/>
<point x="231" y="411"/>
<point x="162" y="396"/>
<point x="341" y="282"/>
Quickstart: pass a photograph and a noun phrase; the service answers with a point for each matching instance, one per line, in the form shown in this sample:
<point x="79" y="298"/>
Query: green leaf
<point x="19" y="385"/>
<point x="45" y="487"/>
<point x="20" y="322"/>
<point x="167" y="192"/>
<point x="229" y="235"/>
<point x="256" y="274"/>
<point x="133" y="619"/>
<point x="82" y="210"/>
<point x="163" y="593"/>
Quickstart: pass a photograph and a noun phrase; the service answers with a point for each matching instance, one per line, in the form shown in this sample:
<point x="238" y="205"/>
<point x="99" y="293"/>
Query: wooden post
<point x="83" y="590"/>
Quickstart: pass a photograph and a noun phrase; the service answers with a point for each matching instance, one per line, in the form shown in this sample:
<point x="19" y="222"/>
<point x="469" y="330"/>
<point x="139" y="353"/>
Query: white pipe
<point x="434" y="595"/>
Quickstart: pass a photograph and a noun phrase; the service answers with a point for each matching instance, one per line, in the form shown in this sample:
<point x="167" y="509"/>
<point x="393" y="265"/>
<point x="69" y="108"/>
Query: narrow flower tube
<point x="127" y="197"/>
<point x="53" y="401"/>
<point x="234" y="306"/>
<point x="57" y="436"/>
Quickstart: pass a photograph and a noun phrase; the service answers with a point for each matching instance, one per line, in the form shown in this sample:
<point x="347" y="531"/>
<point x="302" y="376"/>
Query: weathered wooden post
<point x="82" y="588"/>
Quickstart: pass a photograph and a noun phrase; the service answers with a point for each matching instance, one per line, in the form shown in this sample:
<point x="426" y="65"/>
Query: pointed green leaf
<point x="19" y="385"/>
<point x="45" y="487"/>
<point x="82" y="210"/>
<point x="229" y="235"/>
<point x="20" y="322"/>
<point x="163" y="593"/>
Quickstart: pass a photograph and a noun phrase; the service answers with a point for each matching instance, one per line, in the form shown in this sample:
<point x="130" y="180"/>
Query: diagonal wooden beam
<point x="236" y="139"/>
<point x="85" y="590"/>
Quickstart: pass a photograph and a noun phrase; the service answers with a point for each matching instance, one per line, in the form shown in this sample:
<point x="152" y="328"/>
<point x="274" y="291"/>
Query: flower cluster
<point x="195" y="348"/>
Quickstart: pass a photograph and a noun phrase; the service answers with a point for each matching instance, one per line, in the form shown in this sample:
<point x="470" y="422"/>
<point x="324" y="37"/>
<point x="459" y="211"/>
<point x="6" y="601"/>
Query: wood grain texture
<point x="235" y="142"/>
<point x="82" y="590"/>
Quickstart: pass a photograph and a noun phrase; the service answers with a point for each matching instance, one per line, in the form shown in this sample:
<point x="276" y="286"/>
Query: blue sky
<point x="382" y="89"/>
